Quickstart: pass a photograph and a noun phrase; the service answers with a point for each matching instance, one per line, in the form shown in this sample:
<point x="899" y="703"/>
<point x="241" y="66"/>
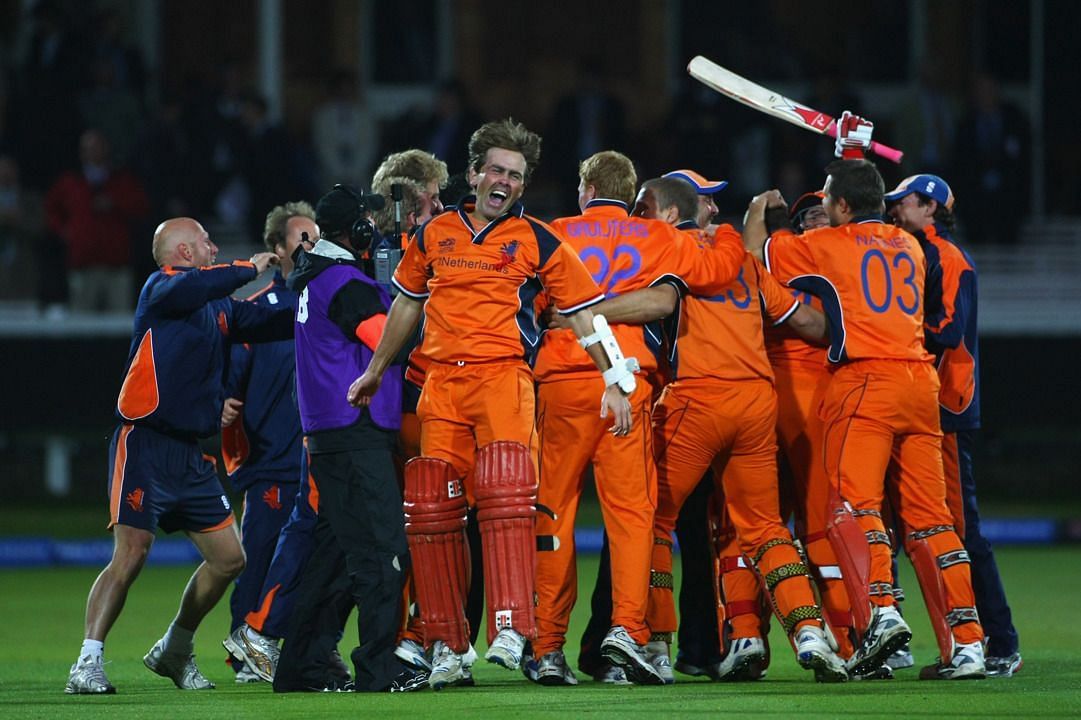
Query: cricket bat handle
<point x="883" y="151"/>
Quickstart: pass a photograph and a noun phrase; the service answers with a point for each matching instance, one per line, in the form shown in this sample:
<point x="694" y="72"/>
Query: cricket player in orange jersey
<point x="720" y="412"/>
<point x="623" y="254"/>
<point x="880" y="408"/>
<point x="800" y="378"/>
<point x="474" y="274"/>
<point x="924" y="204"/>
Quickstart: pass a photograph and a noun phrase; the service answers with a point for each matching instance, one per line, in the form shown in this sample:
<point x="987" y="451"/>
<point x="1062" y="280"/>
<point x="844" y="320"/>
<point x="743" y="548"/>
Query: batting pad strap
<point x="732" y="563"/>
<point x="880" y="589"/>
<point x="766" y="546"/>
<point x="663" y="541"/>
<point x="877" y="537"/>
<point x="790" y="570"/>
<point x="741" y="607"/>
<point x="928" y="532"/>
<point x="658" y="579"/>
<point x="954" y="557"/>
<point x="962" y="615"/>
<point x="799" y="614"/>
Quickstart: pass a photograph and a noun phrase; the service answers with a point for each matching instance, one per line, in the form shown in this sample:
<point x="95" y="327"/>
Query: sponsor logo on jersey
<point x="506" y="254"/>
<point x="446" y="245"/>
<point x="273" y="498"/>
<point x="134" y="499"/>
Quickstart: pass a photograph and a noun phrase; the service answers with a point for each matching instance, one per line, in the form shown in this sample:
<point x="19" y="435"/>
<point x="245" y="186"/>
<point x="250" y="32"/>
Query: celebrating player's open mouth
<point x="497" y="198"/>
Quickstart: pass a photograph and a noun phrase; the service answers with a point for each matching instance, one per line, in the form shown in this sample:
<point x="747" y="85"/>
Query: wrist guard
<point x="622" y="371"/>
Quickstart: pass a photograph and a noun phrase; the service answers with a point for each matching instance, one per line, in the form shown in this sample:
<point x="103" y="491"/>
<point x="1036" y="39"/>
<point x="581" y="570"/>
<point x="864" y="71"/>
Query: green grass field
<point x="42" y="613"/>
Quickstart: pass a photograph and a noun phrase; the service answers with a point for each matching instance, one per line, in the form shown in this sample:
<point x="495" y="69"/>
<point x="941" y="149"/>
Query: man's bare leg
<point x="110" y="590"/>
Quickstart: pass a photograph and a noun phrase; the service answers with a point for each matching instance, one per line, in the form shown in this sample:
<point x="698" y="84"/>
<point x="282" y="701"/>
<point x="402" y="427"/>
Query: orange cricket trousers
<point x="801" y="387"/>
<point x="730" y="426"/>
<point x="464" y="407"/>
<point x="881" y="416"/>
<point x="572" y="434"/>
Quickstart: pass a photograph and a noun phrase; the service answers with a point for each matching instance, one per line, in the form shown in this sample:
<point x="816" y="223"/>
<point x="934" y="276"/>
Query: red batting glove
<point x="853" y="136"/>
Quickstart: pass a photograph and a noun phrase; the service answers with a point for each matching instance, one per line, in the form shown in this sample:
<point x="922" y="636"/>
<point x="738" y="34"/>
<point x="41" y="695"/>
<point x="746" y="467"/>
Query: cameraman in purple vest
<point x="360" y="551"/>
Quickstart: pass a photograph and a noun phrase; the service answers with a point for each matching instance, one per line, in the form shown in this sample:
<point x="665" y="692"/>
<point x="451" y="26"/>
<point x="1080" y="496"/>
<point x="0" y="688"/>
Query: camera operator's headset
<point x="362" y="232"/>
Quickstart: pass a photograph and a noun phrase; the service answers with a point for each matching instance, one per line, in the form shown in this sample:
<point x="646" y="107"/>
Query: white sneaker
<point x="657" y="652"/>
<point x="181" y="669"/>
<point x="506" y="649"/>
<point x="745" y="660"/>
<point x="620" y="649"/>
<point x="450" y="668"/>
<point x="245" y="676"/>
<point x="967" y="663"/>
<point x="813" y="652"/>
<point x="88" y="677"/>
<point x="901" y="658"/>
<point x="612" y="675"/>
<point x="550" y="669"/>
<point x="887" y="633"/>
<point x="412" y="654"/>
<point x="258" y="652"/>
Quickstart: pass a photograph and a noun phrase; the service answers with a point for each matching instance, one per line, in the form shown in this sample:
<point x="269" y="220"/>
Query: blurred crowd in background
<point x="91" y="159"/>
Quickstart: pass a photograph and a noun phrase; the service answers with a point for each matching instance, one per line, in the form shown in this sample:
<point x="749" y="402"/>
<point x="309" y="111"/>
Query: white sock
<point x="253" y="635"/>
<point x="178" y="640"/>
<point x="92" y="649"/>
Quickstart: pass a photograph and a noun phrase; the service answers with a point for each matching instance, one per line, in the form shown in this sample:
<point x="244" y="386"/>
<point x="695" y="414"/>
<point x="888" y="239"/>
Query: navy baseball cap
<point x="702" y="186"/>
<point x="931" y="186"/>
<point x="344" y="205"/>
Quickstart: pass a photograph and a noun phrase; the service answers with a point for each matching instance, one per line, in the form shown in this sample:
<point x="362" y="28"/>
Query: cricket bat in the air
<point x="755" y="96"/>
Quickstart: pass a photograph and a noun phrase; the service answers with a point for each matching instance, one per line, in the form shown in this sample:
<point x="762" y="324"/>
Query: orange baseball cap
<point x="701" y="185"/>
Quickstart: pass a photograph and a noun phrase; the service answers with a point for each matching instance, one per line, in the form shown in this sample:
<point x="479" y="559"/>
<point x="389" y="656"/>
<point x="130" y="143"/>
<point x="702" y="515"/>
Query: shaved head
<point x="184" y="242"/>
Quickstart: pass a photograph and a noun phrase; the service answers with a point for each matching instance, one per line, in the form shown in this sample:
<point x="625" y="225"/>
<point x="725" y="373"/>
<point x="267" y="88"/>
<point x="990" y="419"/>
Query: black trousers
<point x="359" y="560"/>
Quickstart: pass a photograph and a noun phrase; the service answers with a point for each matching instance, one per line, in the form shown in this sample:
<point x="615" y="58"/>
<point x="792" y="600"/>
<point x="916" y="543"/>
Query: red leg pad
<point x="942" y="568"/>
<point x="849" y="542"/>
<point x="506" y="489"/>
<point x="435" y="510"/>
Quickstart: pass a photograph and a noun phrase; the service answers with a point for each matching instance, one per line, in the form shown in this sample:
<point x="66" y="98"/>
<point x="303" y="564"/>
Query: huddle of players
<point x="696" y="391"/>
<point x="720" y="411"/>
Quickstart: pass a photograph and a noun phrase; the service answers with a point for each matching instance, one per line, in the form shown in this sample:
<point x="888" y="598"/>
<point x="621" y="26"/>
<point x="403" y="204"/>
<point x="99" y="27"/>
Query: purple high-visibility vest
<point x="328" y="362"/>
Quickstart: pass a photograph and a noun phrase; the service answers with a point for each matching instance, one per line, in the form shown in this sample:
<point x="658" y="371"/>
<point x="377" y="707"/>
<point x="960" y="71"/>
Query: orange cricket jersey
<point x="785" y="346"/>
<point x="869" y="277"/>
<point x="479" y="286"/>
<point x="720" y="336"/>
<point x="624" y="254"/>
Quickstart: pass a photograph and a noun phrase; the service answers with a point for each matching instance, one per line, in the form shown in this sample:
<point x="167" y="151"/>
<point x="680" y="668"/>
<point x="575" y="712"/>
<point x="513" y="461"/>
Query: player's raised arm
<point x="755" y="226"/>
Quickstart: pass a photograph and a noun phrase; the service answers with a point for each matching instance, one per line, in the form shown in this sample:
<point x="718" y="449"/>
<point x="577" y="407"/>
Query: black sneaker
<point x="409" y="680"/>
<point x="336" y="667"/>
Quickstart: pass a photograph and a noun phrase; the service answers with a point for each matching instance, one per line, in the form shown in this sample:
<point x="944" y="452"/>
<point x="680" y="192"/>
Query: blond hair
<point x="412" y="198"/>
<point x="413" y="164"/>
<point x="276" y="220"/>
<point x="611" y="174"/>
